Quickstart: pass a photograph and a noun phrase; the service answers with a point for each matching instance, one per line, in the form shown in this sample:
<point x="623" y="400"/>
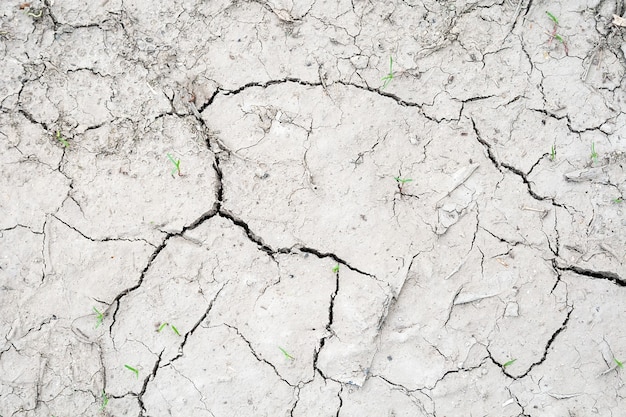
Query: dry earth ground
<point x="447" y="242"/>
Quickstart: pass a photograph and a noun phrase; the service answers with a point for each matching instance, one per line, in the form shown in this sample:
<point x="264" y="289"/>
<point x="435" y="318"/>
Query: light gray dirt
<point x="449" y="242"/>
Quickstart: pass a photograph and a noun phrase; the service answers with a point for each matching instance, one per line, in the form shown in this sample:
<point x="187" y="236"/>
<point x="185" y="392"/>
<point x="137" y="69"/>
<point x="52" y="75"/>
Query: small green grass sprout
<point x="552" y="17"/>
<point x="389" y="77"/>
<point x="135" y="370"/>
<point x="402" y="180"/>
<point x="61" y="139"/>
<point x="176" y="163"/>
<point x="99" y="317"/>
<point x="287" y="355"/>
<point x="619" y="364"/>
<point x="553" y="153"/>
<point x="509" y="363"/>
<point x="554" y="34"/>
<point x="401" y="183"/>
<point x="105" y="400"/>
<point x="336" y="268"/>
<point x="174" y="329"/>
<point x="594" y="154"/>
<point x="618" y="200"/>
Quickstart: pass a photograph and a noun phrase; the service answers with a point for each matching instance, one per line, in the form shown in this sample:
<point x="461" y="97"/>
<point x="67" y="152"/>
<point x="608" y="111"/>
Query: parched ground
<point x="312" y="208"/>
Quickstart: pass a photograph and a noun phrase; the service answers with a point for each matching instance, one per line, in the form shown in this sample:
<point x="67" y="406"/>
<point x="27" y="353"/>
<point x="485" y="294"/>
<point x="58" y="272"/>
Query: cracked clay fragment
<point x="598" y="175"/>
<point x="619" y="21"/>
<point x="447" y="217"/>
<point x="459" y="178"/>
<point x="466" y="298"/>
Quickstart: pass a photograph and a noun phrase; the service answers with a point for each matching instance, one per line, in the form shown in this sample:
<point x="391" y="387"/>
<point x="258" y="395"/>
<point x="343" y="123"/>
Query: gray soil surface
<point x="312" y="208"/>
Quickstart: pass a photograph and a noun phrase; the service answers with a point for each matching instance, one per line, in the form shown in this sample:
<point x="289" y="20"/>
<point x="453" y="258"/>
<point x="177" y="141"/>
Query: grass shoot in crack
<point x="389" y="77"/>
<point x="401" y="182"/>
<point x="553" y="153"/>
<point x="619" y="363"/>
<point x="509" y="363"/>
<point x="336" y="269"/>
<point x="62" y="140"/>
<point x="105" y="400"/>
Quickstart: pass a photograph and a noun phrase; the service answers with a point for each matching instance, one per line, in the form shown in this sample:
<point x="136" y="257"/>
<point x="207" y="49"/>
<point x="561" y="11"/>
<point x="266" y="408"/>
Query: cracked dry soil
<point x="453" y="244"/>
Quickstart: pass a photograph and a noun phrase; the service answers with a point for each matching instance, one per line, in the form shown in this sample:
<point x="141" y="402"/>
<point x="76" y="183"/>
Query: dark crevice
<point x="329" y="324"/>
<point x="152" y="375"/>
<point x="606" y="275"/>
<point x="31" y="119"/>
<point x="530" y="2"/>
<point x="545" y="350"/>
<point x="251" y="235"/>
<point x="334" y="257"/>
<point x="514" y="170"/>
<point x="269" y="83"/>
<point x="486" y="145"/>
<point x="209" y="101"/>
<point x="558" y="275"/>
<point x="117" y="300"/>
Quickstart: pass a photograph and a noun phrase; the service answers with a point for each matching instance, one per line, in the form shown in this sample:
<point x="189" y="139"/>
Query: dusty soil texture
<point x="312" y="208"/>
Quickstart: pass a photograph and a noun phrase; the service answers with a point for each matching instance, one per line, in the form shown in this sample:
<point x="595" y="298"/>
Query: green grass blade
<point x="509" y="363"/>
<point x="175" y="330"/>
<point x="132" y="369"/>
<point x="161" y="327"/>
<point x="287" y="355"/>
<point x="105" y="400"/>
<point x="553" y="18"/>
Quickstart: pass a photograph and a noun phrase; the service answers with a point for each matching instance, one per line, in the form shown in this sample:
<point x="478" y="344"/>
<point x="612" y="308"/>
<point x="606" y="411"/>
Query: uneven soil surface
<point x="312" y="208"/>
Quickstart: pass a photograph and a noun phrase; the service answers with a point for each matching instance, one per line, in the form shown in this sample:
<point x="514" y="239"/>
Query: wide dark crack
<point x="144" y="387"/>
<point x="606" y="275"/>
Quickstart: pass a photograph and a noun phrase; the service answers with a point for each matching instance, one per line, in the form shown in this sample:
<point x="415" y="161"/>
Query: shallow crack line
<point x="106" y="239"/>
<point x="609" y="276"/>
<point x="453" y="371"/>
<point x="195" y="326"/>
<point x="152" y="375"/>
<point x="258" y="358"/>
